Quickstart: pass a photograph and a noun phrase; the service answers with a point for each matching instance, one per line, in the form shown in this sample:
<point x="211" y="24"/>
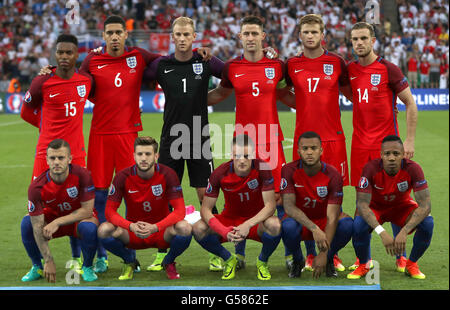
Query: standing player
<point x="184" y="77"/>
<point x="317" y="76"/>
<point x="312" y="197"/>
<point x="55" y="104"/>
<point x="255" y="80"/>
<point x="376" y="84"/>
<point x="383" y="195"/>
<point x="147" y="189"/>
<point x="60" y="203"/>
<point x="248" y="188"/>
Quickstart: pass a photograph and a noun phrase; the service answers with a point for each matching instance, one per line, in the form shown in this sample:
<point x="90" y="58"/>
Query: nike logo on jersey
<point x="378" y="187"/>
<point x="49" y="201"/>
<point x="353" y="77"/>
<point x="238" y="75"/>
<point x="101" y="66"/>
<point x="167" y="71"/>
<point x="298" y="185"/>
<point x="132" y="192"/>
<point x="295" y="71"/>
<point x="53" y="95"/>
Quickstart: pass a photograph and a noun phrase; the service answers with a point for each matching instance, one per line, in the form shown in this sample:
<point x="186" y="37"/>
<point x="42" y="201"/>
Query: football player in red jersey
<point x="60" y="203"/>
<point x="376" y="83"/>
<point x="312" y="197"/>
<point x="55" y="104"/>
<point x="257" y="81"/>
<point x="147" y="189"/>
<point x="248" y="188"/>
<point x="384" y="195"/>
<point x="317" y="76"/>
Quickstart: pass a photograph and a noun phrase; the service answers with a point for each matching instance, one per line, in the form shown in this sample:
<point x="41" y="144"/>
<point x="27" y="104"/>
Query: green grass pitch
<point x="16" y="161"/>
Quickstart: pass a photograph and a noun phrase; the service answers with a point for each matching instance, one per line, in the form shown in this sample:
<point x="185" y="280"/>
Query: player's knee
<point x="87" y="231"/>
<point x="183" y="228"/>
<point x="360" y="228"/>
<point x="272" y="226"/>
<point x="26" y="227"/>
<point x="345" y="225"/>
<point x="105" y="230"/>
<point x="199" y="229"/>
<point x="289" y="227"/>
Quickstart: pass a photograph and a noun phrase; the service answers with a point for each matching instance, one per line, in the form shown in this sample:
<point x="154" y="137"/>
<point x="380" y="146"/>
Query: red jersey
<point x="424" y="67"/>
<point x="313" y="194"/>
<point x="412" y="64"/>
<point x="255" y="85"/>
<point x="118" y="86"/>
<point x="316" y="83"/>
<point x="390" y="191"/>
<point x="374" y="89"/>
<point x="145" y="200"/>
<point x="62" y="107"/>
<point x="60" y="199"/>
<point x="243" y="195"/>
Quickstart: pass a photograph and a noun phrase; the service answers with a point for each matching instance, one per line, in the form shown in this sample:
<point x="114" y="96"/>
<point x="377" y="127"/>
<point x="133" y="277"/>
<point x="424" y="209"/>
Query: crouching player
<point x="383" y="195"/>
<point x="60" y="203"/>
<point x="248" y="189"/>
<point x="147" y="188"/>
<point x="312" y="197"/>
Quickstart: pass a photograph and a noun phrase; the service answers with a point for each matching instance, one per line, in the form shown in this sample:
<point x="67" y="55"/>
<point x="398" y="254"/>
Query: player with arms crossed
<point x="147" y="189"/>
<point x="384" y="195"/>
<point x="256" y="80"/>
<point x="312" y="197"/>
<point x="60" y="203"/>
<point x="55" y="104"/>
<point x="376" y="83"/>
<point x="248" y="189"/>
<point x="317" y="76"/>
<point x="184" y="77"/>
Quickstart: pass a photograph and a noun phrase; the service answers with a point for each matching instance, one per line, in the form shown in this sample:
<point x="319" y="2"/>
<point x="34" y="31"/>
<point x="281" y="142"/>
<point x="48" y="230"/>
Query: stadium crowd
<point x="29" y="30"/>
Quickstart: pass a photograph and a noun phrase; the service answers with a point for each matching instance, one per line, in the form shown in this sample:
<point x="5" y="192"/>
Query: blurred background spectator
<point x="406" y="28"/>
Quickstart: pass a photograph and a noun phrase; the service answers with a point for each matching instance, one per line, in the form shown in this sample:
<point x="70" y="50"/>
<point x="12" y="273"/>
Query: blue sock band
<point x="100" y="204"/>
<point x="28" y="241"/>
<point x="422" y="238"/>
<point x="212" y="244"/>
<point x="88" y="239"/>
<point x="240" y="248"/>
<point x="75" y="246"/>
<point x="117" y="247"/>
<point x="269" y="244"/>
<point x="101" y="251"/>
<point x="291" y="235"/>
<point x="361" y="239"/>
<point x="310" y="247"/>
<point x="178" y="245"/>
<point x="342" y="236"/>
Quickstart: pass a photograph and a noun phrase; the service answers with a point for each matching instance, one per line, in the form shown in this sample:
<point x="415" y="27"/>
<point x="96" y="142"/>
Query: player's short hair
<point x="69" y="38"/>
<point x="364" y="25"/>
<point x="392" y="138"/>
<point x="183" y="21"/>
<point x="146" y="141"/>
<point x="252" y="20"/>
<point x="243" y="140"/>
<point x="312" y="19"/>
<point x="309" y="135"/>
<point x="58" y="143"/>
<point x="114" y="19"/>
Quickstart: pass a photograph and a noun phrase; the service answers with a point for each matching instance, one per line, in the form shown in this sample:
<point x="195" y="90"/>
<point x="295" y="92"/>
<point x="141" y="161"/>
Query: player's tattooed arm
<point x="419" y="214"/>
<point x="362" y="203"/>
<point x="218" y="94"/>
<point x="38" y="224"/>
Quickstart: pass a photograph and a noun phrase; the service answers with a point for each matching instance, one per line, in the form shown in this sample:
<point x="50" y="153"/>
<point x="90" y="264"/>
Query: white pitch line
<point x="10" y="123"/>
<point x="14" y="166"/>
